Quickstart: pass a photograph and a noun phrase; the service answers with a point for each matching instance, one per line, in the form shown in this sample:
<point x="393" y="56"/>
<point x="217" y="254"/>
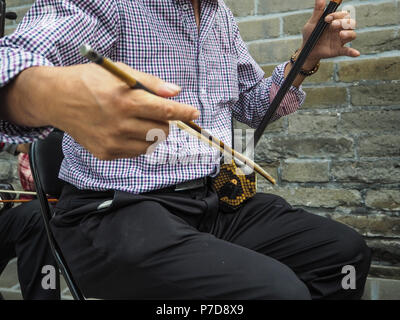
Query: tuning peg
<point x="11" y="16"/>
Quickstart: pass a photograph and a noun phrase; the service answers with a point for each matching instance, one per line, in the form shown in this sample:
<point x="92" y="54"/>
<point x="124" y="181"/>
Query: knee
<point x="283" y="284"/>
<point x="292" y="290"/>
<point x="352" y="249"/>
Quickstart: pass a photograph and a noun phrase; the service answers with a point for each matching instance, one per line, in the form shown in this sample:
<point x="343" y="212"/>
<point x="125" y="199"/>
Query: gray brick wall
<point x="339" y="156"/>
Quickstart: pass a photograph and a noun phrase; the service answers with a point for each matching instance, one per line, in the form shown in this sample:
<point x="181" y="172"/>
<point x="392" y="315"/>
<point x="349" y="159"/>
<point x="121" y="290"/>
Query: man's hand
<point x="98" y="110"/>
<point x="23" y="148"/>
<point x="333" y="41"/>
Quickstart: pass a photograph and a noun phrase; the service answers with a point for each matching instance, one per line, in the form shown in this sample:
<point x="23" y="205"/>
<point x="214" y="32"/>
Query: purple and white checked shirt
<point x="213" y="66"/>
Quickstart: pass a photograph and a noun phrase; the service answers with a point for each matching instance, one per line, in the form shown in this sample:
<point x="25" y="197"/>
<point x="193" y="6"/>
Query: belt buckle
<point x="190" y="185"/>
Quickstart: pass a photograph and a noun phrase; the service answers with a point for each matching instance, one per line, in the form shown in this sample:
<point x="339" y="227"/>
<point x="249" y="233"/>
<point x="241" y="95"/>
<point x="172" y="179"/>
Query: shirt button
<point x="185" y="7"/>
<point x="203" y="91"/>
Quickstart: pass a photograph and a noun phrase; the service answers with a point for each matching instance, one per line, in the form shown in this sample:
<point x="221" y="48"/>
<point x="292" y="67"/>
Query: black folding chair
<point x="45" y="160"/>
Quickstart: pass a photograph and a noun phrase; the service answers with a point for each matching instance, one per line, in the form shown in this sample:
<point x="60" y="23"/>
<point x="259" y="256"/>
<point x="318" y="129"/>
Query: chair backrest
<point x="45" y="159"/>
<point x="48" y="156"/>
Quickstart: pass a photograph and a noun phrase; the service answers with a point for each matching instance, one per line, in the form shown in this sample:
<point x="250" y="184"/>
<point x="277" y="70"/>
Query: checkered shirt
<point x="213" y="66"/>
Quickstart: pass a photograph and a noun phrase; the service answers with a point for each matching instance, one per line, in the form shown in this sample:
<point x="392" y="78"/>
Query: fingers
<point x="349" y="52"/>
<point x="347" y="36"/>
<point x="140" y="129"/>
<point x="155" y="84"/>
<point x="336" y="15"/>
<point x="319" y="9"/>
<point x="144" y="105"/>
<point x="346" y="24"/>
<point x="155" y="107"/>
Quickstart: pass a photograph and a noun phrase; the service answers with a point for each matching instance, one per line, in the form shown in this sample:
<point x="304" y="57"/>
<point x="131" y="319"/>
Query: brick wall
<point x="340" y="155"/>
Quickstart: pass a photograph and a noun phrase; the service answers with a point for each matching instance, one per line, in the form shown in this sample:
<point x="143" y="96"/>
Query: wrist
<point x="305" y="70"/>
<point x="25" y="99"/>
<point x="311" y="61"/>
<point x="310" y="64"/>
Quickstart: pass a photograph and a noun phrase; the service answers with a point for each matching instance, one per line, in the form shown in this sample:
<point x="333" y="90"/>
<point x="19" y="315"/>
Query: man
<point x="131" y="225"/>
<point x="23" y="235"/>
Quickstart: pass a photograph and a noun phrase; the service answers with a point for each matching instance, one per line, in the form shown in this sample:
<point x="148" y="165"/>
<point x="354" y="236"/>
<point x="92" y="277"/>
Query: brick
<point x="379" y="146"/>
<point x="316" y="198"/>
<point x="379" y="171"/>
<point x="9" y="30"/>
<point x="372" y="225"/>
<point x="269" y="69"/>
<point x="293" y="24"/>
<point x="274" y="127"/>
<point x="372" y="15"/>
<point x="385" y="251"/>
<point x="270" y="51"/>
<point x="272" y="168"/>
<point x="388" y="272"/>
<point x="369" y="69"/>
<point x="304" y="147"/>
<point x="383" y="199"/>
<point x="324" y="74"/>
<point x="18" y="3"/>
<point x="377" y="41"/>
<point x="370" y="121"/>
<point x="21" y="12"/>
<point x="313" y="123"/>
<point x="305" y="171"/>
<point x="272" y="6"/>
<point x="241" y="8"/>
<point x="325" y="97"/>
<point x="259" y="29"/>
<point x="384" y="94"/>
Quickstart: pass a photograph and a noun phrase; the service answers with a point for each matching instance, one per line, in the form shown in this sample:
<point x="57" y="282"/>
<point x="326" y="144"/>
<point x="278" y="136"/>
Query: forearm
<point x="26" y="101"/>
<point x="254" y="103"/>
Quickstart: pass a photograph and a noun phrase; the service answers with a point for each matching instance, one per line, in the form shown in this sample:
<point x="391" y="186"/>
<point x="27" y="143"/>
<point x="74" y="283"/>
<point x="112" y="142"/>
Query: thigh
<point x="311" y="245"/>
<point x="16" y="224"/>
<point x="143" y="251"/>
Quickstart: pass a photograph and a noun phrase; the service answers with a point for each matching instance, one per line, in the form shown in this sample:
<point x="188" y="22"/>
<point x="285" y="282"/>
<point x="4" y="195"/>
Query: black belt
<point x="184" y="186"/>
<point x="190" y="185"/>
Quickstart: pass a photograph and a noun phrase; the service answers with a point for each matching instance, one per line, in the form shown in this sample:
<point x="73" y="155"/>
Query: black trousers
<point x="23" y="235"/>
<point x="179" y="245"/>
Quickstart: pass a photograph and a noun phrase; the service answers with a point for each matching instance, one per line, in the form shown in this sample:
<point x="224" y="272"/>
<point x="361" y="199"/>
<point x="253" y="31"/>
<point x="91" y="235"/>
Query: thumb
<point x="319" y="9"/>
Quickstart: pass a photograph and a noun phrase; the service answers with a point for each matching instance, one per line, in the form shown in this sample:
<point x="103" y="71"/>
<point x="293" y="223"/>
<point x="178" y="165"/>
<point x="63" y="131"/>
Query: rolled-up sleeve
<point x="256" y="91"/>
<point x="50" y="35"/>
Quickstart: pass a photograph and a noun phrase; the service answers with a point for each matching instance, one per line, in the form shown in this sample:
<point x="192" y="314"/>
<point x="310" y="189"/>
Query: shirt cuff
<point x="16" y="61"/>
<point x="278" y="77"/>
<point x="294" y="98"/>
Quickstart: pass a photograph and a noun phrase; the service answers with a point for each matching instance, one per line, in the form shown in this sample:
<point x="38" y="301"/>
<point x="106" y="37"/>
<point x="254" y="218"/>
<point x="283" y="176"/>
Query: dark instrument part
<point x="5" y="15"/>
<point x="294" y="72"/>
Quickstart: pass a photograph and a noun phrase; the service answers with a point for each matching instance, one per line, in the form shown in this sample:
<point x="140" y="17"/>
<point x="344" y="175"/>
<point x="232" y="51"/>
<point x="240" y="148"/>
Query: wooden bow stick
<point x="190" y="127"/>
<point x="30" y="193"/>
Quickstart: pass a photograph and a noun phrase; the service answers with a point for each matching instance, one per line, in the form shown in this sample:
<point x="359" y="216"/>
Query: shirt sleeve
<point x="256" y="91"/>
<point x="50" y="35"/>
